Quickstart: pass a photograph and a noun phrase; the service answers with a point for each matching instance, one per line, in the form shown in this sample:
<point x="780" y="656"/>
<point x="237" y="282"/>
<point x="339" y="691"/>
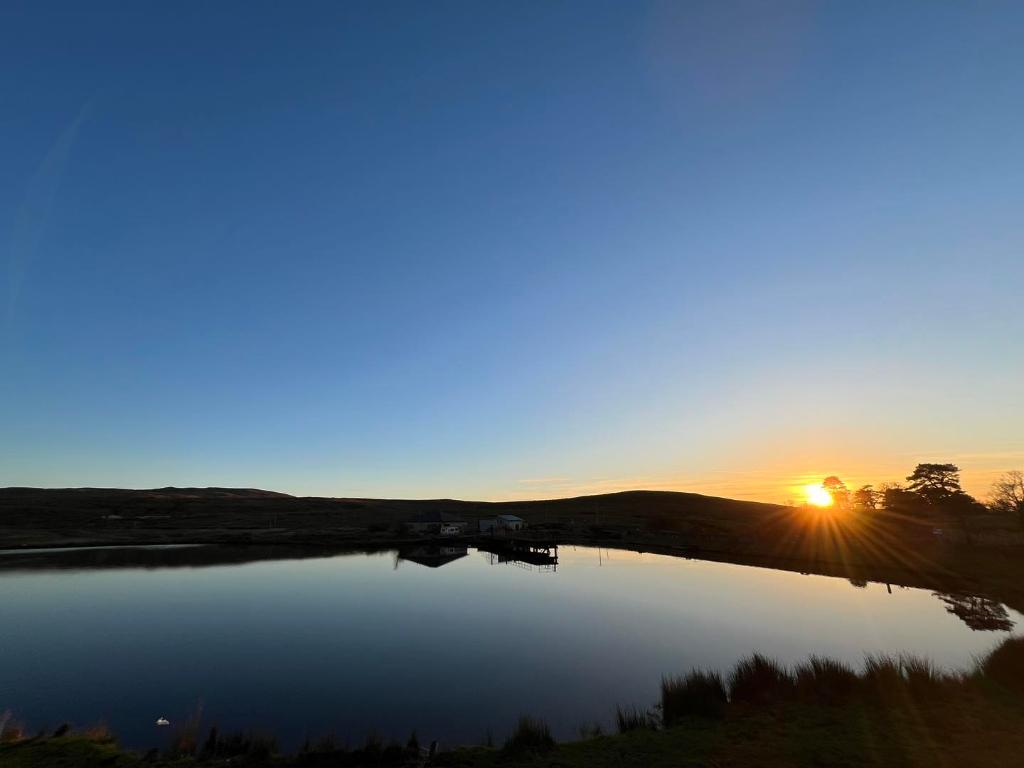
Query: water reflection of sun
<point x="818" y="496"/>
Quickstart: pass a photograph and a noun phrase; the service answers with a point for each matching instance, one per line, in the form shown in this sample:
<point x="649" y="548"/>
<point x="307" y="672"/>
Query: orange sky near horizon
<point x="776" y="484"/>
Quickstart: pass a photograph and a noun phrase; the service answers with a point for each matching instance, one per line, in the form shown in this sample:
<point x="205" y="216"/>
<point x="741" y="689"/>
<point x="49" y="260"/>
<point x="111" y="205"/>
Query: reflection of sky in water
<point x="350" y="643"/>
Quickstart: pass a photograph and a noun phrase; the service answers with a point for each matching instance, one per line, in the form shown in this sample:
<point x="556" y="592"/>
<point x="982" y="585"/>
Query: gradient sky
<point x="503" y="250"/>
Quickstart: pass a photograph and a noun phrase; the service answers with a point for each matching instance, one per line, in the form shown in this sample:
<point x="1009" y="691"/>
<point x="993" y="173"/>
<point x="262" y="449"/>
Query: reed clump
<point x="924" y="681"/>
<point x="882" y="678"/>
<point x="700" y="693"/>
<point x="531" y="736"/>
<point x="252" y="745"/>
<point x="758" y="680"/>
<point x="886" y="680"/>
<point x="821" y="680"/>
<point x="328" y="752"/>
<point x="632" y="719"/>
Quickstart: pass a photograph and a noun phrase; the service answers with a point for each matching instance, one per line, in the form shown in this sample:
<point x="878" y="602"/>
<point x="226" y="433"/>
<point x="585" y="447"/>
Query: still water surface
<point x="454" y="647"/>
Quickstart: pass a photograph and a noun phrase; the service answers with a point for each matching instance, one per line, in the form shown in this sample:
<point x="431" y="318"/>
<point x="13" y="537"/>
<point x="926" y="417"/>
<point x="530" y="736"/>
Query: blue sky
<point x="511" y="249"/>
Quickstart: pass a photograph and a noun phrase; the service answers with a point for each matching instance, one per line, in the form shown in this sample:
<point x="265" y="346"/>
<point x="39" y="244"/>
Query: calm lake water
<point x="453" y="645"/>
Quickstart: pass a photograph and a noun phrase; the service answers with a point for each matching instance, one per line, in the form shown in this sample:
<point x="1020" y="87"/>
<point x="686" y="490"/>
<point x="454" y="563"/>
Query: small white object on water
<point x="162" y="721"/>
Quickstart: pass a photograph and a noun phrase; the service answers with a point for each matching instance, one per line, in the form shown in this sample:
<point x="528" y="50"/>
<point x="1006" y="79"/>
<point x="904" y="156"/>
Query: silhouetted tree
<point x="898" y="500"/>
<point x="866" y="498"/>
<point x="837" y="490"/>
<point x="1007" y="495"/>
<point x="938" y="485"/>
<point x="935" y="483"/>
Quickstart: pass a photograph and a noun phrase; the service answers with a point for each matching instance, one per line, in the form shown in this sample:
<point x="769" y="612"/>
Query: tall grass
<point x="632" y="719"/>
<point x="10" y="730"/>
<point x="759" y="680"/>
<point x="249" y="744"/>
<point x="531" y="736"/>
<point x="326" y="744"/>
<point x="699" y="693"/>
<point x="923" y="679"/>
<point x="886" y="680"/>
<point x="821" y="680"/>
<point x="98" y="733"/>
<point x="882" y="677"/>
<point x="328" y="752"/>
<point x="184" y="739"/>
<point x="894" y="678"/>
<point x="374" y="742"/>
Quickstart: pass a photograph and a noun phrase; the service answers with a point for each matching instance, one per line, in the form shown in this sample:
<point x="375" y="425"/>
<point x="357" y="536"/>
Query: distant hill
<point x="168" y="492"/>
<point x="232" y="508"/>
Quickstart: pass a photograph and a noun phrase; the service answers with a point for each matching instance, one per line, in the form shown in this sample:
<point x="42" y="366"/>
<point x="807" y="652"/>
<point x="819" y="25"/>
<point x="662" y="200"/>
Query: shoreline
<point x="935" y="573"/>
<point x="877" y="546"/>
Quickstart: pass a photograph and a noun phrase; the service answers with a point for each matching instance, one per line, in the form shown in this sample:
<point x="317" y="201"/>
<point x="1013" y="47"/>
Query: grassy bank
<point x="896" y="711"/>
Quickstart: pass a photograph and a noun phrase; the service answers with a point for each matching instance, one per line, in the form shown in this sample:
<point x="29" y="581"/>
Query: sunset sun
<point x="818" y="496"/>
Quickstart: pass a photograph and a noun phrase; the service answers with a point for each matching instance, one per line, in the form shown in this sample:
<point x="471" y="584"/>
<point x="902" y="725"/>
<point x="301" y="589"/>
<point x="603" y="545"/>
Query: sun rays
<point x="817" y="496"/>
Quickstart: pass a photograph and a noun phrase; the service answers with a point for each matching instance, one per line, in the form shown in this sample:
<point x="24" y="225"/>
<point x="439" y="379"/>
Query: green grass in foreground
<point x="899" y="712"/>
<point x="72" y="751"/>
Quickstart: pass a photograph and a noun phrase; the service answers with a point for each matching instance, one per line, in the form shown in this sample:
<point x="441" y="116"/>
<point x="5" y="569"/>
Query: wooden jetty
<point x="512" y="550"/>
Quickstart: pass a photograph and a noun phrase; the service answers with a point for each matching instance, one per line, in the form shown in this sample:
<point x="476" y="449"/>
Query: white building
<point x="443" y="523"/>
<point x="501" y="524"/>
<point x="510" y="523"/>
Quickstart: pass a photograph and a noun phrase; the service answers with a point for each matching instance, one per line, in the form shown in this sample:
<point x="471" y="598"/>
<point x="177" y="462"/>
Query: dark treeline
<point x="933" y="492"/>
